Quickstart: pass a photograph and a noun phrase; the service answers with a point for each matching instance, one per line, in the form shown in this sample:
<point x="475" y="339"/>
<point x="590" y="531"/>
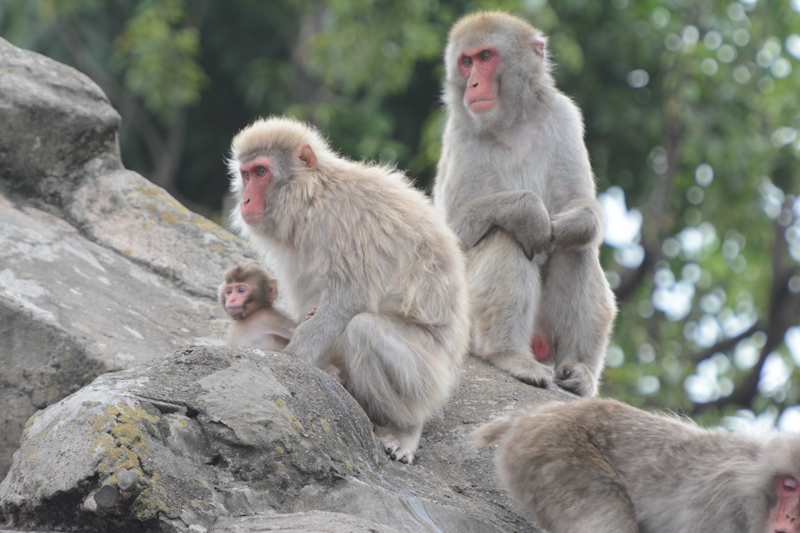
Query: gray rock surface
<point x="110" y="336"/>
<point x="99" y="268"/>
<point x="215" y="434"/>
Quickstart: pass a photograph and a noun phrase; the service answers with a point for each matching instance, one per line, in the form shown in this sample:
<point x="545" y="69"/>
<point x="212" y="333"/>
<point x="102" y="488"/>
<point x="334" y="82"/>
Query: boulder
<point x="135" y="416"/>
<point x="99" y="268"/>
<point x="223" y="438"/>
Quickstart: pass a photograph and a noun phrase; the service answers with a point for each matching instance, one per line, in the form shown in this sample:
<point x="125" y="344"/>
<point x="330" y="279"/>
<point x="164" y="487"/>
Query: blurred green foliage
<point x="691" y="114"/>
<point x="159" y="58"/>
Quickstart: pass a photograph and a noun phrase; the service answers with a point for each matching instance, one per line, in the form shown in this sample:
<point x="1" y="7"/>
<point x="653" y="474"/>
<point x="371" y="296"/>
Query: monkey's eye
<point x="790" y="484"/>
<point x="245" y="174"/>
<point x="261" y="171"/>
<point x="466" y="61"/>
<point x="486" y="55"/>
<point x="240" y="290"/>
<point x="228" y="290"/>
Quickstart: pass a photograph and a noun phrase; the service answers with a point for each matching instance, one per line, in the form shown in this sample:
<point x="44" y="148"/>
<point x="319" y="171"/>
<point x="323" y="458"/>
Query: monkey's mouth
<point x="236" y="312"/>
<point x="481" y="105"/>
<point x="252" y="219"/>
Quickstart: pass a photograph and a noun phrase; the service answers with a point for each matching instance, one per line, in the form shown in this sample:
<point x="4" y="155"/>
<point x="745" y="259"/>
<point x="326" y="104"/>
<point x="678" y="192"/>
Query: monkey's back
<point x="679" y="478"/>
<point x="378" y="228"/>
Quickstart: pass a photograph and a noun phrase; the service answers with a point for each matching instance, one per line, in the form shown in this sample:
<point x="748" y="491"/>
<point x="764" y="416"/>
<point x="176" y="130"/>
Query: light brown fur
<point x="368" y="251"/>
<point x="516" y="186"/>
<point x="605" y="467"/>
<point x="259" y="324"/>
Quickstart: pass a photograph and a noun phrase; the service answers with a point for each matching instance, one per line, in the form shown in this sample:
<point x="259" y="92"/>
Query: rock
<point x="99" y="268"/>
<point x="213" y="434"/>
<point x="127" y="479"/>
<point x="209" y="433"/>
<point x="55" y="121"/>
<point x="110" y="336"/>
<point x="122" y="211"/>
<point x="317" y="521"/>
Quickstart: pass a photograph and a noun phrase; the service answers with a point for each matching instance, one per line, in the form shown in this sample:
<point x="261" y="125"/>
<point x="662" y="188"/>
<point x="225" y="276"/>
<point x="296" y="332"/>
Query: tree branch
<point x="167" y="164"/>
<point x="727" y="344"/>
<point x="783" y="314"/>
<point x="654" y="232"/>
<point x="630" y="282"/>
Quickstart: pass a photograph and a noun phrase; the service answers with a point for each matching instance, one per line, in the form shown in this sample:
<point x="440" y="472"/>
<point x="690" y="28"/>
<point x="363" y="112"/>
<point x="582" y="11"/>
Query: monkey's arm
<point x="521" y="213"/>
<point x="315" y="335"/>
<point x="581" y="224"/>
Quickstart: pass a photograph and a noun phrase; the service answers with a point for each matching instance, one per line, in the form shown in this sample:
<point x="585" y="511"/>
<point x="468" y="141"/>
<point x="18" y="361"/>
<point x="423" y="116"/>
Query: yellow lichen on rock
<point x="125" y="444"/>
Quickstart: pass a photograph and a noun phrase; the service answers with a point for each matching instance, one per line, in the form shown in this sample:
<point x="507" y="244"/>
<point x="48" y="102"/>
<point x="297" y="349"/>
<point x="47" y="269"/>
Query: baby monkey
<point x="248" y="294"/>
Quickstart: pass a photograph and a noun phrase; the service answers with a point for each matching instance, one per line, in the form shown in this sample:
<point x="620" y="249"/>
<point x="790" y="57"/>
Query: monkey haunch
<point x="371" y="255"/>
<point x="514" y="182"/>
<point x="604" y="467"/>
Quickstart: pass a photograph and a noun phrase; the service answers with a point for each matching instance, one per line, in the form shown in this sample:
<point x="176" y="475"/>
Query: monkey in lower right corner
<point x="601" y="466"/>
<point x="248" y="294"/>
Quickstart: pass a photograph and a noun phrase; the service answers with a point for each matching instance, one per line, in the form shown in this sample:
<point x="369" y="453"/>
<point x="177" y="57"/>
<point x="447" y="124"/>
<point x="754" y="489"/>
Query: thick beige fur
<point x="601" y="466"/>
<point x="367" y="250"/>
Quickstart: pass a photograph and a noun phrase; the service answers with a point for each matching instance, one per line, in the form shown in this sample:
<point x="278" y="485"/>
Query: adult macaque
<point x="515" y="183"/>
<point x="605" y="467"/>
<point x="248" y="294"/>
<point x="374" y="258"/>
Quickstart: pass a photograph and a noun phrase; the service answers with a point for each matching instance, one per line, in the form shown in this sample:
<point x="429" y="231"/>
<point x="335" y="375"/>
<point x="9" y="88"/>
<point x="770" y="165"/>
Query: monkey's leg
<point x="577" y="311"/>
<point x="505" y="288"/>
<point x="399" y="375"/>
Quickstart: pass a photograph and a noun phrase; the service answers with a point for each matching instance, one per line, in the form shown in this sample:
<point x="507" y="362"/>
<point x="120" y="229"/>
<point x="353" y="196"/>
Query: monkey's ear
<point x="307" y="156"/>
<point x="538" y="47"/>
<point x="272" y="288"/>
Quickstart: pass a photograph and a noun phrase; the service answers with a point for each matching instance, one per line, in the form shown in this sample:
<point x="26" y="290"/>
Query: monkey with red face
<point x="601" y="466"/>
<point x="515" y="183"/>
<point x="372" y="262"/>
<point x="248" y="294"/>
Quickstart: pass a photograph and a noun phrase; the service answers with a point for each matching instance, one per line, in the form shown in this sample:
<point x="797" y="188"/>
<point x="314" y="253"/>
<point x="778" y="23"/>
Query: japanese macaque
<point x="248" y="295"/>
<point x="368" y="251"/>
<point x="515" y="184"/>
<point x="605" y="467"/>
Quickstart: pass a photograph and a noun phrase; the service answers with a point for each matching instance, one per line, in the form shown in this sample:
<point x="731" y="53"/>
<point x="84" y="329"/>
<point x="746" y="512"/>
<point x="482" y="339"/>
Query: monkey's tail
<point x="490" y="433"/>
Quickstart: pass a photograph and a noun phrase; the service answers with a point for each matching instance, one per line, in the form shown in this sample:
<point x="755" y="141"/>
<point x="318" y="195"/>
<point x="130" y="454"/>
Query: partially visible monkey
<point x="368" y="251"/>
<point x="248" y="295"/>
<point x="605" y="467"/>
<point x="515" y="183"/>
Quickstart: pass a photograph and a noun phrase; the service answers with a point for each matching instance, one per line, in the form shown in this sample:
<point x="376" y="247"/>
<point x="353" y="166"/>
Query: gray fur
<point x="384" y="272"/>
<point x="606" y="467"/>
<point x="514" y="183"/>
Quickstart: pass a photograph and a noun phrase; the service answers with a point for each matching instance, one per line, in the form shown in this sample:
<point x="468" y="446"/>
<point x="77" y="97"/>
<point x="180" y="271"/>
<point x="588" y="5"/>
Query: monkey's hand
<point x="577" y="378"/>
<point x="581" y="224"/>
<point x="312" y="338"/>
<point x="522" y="214"/>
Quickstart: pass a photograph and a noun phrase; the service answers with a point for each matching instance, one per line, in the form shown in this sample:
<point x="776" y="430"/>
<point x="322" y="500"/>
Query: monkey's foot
<point x="576" y="378"/>
<point x="398" y="444"/>
<point x="525" y="368"/>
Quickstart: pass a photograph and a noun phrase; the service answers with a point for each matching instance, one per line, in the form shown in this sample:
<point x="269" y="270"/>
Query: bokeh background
<point x="692" y="117"/>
